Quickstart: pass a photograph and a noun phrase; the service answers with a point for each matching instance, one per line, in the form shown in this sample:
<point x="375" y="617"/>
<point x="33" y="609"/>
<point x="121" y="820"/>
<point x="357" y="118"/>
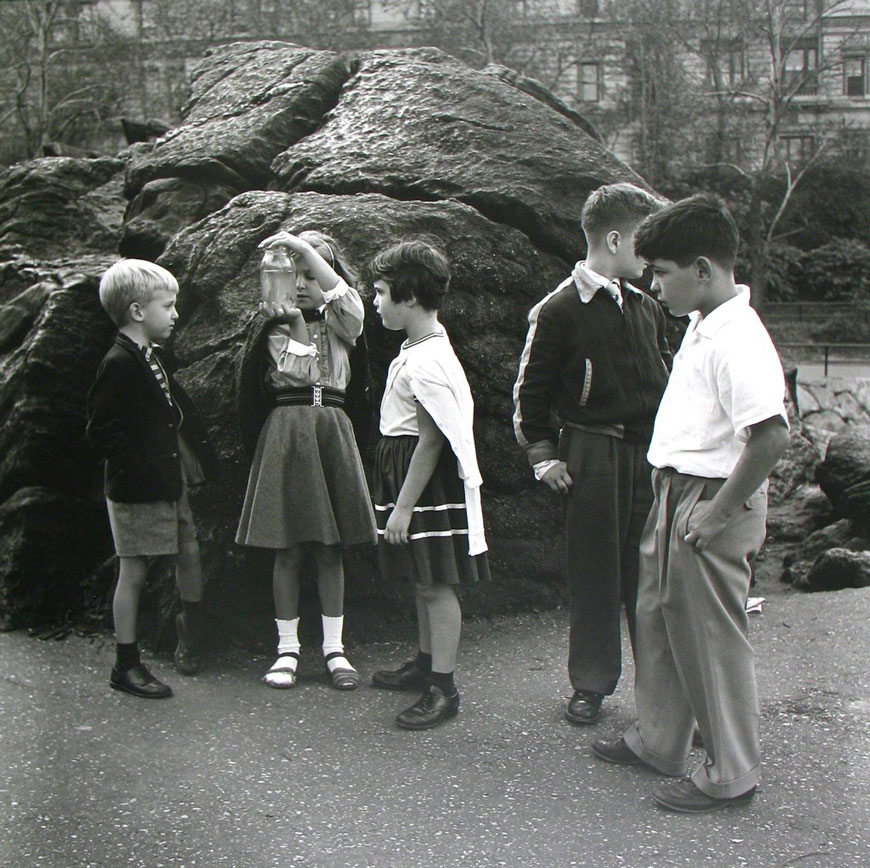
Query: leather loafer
<point x="188" y="652"/>
<point x="432" y="708"/>
<point x="684" y="797"/>
<point x="616" y="752"/>
<point x="584" y="707"/>
<point x="408" y="676"/>
<point x="139" y="681"/>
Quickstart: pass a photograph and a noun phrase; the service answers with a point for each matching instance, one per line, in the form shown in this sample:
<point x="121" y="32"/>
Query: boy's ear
<point x="134" y="312"/>
<point x="612" y="240"/>
<point x="703" y="268"/>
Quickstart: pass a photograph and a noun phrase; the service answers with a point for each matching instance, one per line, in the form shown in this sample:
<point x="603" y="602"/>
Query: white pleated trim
<point x="439" y="508"/>
<point x="428" y="533"/>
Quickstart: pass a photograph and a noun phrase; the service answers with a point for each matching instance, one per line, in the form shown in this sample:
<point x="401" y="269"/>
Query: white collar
<point x="707" y="326"/>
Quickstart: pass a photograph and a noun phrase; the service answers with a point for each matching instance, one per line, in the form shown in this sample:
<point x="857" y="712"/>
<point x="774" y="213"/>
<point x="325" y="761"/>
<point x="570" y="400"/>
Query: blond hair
<point x="129" y="281"/>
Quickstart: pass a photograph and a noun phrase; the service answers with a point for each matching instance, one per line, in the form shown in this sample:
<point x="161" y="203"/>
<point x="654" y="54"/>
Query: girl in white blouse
<point x="426" y="478"/>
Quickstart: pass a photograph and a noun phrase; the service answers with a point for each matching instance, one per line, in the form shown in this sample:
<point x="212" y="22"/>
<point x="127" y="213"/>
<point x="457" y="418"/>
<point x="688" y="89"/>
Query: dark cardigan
<point x="134" y="427"/>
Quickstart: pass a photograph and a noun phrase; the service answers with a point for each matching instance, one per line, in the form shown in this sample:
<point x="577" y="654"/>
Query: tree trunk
<point x="756" y="245"/>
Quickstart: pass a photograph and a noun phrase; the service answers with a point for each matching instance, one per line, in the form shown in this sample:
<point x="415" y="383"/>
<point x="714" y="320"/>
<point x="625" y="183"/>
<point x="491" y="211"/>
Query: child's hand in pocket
<point x="704" y="524"/>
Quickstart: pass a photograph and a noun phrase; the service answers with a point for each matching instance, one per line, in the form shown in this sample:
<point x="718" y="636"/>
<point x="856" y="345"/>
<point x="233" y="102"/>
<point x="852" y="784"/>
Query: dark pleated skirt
<point x="438" y="548"/>
<point x="306" y="482"/>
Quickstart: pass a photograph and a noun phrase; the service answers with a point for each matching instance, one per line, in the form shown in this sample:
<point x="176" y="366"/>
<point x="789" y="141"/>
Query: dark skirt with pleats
<point x="437" y="551"/>
<point x="306" y="482"/>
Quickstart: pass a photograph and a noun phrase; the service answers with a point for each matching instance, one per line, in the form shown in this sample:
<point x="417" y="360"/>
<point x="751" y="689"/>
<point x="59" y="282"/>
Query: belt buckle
<point x="317" y="396"/>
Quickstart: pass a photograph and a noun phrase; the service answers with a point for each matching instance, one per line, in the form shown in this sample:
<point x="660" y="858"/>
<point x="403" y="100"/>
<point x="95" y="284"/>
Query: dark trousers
<point x="604" y="518"/>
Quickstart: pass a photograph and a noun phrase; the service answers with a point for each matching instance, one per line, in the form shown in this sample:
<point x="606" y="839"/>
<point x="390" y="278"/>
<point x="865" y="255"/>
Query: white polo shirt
<point x="726" y="376"/>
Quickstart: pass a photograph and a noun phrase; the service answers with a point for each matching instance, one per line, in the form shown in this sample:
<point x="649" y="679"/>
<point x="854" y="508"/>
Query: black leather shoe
<point x="584" y="707"/>
<point x="432" y="708"/>
<point x="188" y="652"/>
<point x="409" y="676"/>
<point x="139" y="681"/>
<point x="616" y="752"/>
<point x="684" y="797"/>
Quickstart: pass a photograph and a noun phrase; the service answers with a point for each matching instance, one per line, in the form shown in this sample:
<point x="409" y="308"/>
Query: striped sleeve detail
<point x="534" y="314"/>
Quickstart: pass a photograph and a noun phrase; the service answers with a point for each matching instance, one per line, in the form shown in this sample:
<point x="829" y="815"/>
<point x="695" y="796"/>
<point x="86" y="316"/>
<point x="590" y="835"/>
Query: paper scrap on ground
<point x="753" y="605"/>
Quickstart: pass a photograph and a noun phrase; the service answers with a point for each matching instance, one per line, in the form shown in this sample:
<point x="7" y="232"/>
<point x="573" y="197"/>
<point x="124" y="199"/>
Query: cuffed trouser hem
<point x="671" y="768"/>
<point x="729" y="790"/>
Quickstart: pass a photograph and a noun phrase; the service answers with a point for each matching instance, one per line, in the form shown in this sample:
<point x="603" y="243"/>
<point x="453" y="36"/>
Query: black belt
<point x="309" y="396"/>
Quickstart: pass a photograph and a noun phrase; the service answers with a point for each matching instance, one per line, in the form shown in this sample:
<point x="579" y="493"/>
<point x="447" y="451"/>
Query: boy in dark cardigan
<point x="145" y="426"/>
<point x="596" y="359"/>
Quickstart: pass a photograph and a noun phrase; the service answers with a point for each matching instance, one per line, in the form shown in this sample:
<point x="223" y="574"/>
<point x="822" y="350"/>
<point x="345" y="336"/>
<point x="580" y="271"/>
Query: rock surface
<point x="844" y="475"/>
<point x="419" y="124"/>
<point x="838" y="568"/>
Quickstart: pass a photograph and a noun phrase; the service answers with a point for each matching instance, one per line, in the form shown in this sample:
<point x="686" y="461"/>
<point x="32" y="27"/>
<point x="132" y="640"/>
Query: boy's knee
<point x="188" y="550"/>
<point x="133" y="571"/>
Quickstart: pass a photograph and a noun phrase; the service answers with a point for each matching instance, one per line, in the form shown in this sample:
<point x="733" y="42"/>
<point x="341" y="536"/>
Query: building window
<point x="798" y="149"/>
<point x="855" y="147"/>
<point x="736" y="63"/>
<point x="855" y="76"/>
<point x="587" y="8"/>
<point x="800" y="72"/>
<point x="589" y="82"/>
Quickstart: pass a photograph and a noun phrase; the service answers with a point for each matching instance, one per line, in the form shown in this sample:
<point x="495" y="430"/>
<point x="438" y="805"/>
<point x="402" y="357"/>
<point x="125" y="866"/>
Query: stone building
<point x="608" y="59"/>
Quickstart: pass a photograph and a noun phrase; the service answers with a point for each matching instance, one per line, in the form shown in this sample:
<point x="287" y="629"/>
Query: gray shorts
<point x="150" y="529"/>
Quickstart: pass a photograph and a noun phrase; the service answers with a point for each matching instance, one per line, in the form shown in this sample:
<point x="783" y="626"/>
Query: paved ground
<point x="229" y="773"/>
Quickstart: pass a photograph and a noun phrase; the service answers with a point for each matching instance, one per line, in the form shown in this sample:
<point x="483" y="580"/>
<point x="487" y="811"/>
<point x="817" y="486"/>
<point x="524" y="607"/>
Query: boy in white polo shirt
<point x="719" y="431"/>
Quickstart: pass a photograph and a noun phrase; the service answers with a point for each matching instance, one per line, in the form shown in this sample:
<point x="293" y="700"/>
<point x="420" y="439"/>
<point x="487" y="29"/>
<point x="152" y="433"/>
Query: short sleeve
<point x="750" y="378"/>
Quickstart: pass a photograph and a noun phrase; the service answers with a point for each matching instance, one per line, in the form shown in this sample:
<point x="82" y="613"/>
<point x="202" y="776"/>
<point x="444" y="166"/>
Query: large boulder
<point x="496" y="272"/>
<point x="248" y="102"/>
<point x="838" y="568"/>
<point x="371" y="148"/>
<point x="55" y="213"/>
<point x="419" y="124"/>
<point x="844" y="476"/>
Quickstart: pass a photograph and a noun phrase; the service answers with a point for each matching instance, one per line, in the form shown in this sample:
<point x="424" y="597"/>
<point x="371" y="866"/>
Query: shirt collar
<point x="588" y="282"/>
<point x="707" y="326"/>
<point x="123" y="339"/>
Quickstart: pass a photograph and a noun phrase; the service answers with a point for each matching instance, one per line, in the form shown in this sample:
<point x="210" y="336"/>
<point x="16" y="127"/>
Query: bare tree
<point x="60" y="64"/>
<point x="763" y="59"/>
<point x="482" y="32"/>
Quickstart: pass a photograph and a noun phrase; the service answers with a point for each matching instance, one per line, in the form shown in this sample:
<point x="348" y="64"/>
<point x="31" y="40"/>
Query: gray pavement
<point x="230" y="773"/>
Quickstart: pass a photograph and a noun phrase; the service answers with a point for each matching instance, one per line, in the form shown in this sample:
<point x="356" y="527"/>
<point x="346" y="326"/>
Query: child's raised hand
<point x="276" y="310"/>
<point x="285" y="239"/>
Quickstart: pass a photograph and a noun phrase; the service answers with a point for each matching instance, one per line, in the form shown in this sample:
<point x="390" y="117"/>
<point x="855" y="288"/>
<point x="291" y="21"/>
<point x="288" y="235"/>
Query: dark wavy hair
<point x="413" y="269"/>
<point x="698" y="226"/>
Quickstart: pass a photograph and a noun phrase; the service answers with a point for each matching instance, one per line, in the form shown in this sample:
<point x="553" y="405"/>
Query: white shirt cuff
<point x="543" y="466"/>
<point x="337" y="291"/>
<point x="294" y="348"/>
<point x="299" y="349"/>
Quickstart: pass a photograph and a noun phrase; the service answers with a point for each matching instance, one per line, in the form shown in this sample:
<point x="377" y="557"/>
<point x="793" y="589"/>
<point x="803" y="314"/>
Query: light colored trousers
<point x="694" y="660"/>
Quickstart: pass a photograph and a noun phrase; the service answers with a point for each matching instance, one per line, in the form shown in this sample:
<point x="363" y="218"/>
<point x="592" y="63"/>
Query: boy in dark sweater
<point x="135" y="416"/>
<point x="597" y="359"/>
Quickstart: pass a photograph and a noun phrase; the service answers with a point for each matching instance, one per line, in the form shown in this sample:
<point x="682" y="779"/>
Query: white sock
<point x="288" y="642"/>
<point x="288" y="636"/>
<point x="332" y="644"/>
